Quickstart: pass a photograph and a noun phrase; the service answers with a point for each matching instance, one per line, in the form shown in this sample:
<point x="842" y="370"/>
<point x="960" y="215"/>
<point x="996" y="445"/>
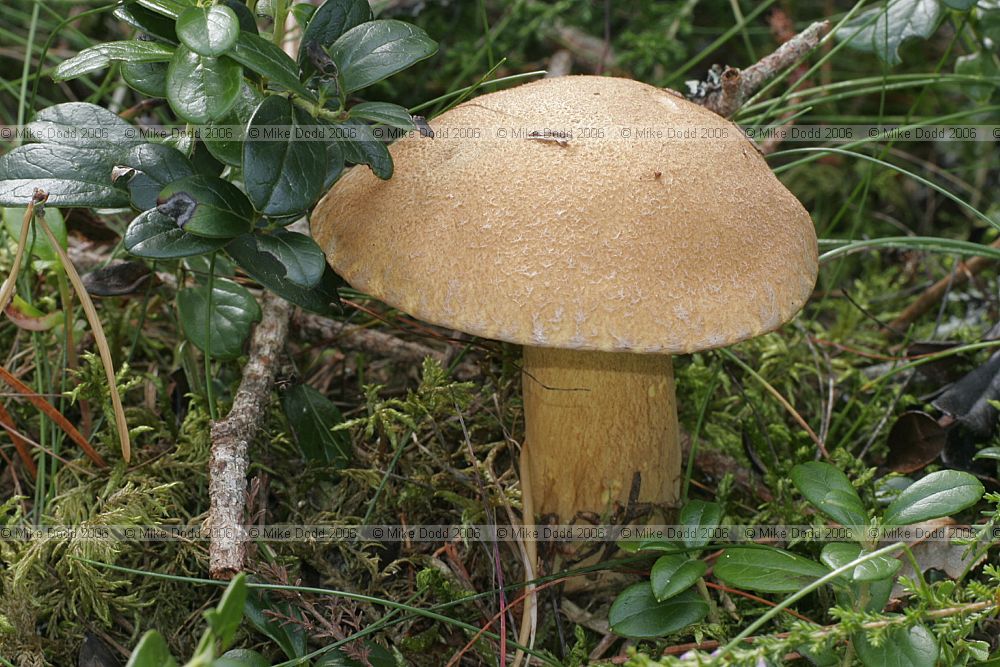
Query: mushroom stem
<point x="593" y="420"/>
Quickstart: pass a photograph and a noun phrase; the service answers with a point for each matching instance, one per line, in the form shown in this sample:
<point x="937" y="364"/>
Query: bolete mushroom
<point x="603" y="224"/>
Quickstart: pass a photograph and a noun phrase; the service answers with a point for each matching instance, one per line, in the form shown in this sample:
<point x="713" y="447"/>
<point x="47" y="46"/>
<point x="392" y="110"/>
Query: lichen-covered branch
<point x="231" y="437"/>
<point x="728" y="88"/>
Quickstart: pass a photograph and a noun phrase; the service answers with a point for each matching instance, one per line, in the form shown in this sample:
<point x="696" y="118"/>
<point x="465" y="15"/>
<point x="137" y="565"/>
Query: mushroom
<point x="604" y="225"/>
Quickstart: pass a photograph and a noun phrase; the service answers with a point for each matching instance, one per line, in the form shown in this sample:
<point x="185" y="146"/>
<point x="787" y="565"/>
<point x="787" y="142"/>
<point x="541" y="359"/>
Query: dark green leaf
<point x="701" y="517"/>
<point x="241" y="657"/>
<point x="151" y="651"/>
<point x="361" y="147"/>
<point x="283" y="170"/>
<point x="146" y="21"/>
<point x="637" y="613"/>
<point x="233" y="315"/>
<point x="302" y="260"/>
<point x="375" y="50"/>
<point x="226" y="618"/>
<point x="264" y="58"/>
<point x="222" y="211"/>
<point x="268" y="270"/>
<point x="384" y="113"/>
<point x="171" y="8"/>
<point x="72" y="176"/>
<point x="829" y="491"/>
<point x="84" y="125"/>
<point x="883" y="29"/>
<point x="767" y="569"/>
<point x="961" y="5"/>
<point x="225" y="141"/>
<point x="903" y="647"/>
<point x="156" y="165"/>
<point x="208" y="31"/>
<point x="311" y="416"/>
<point x="100" y="56"/>
<point x="939" y="494"/>
<point x="202" y="89"/>
<point x="149" y="79"/>
<point x="331" y="20"/>
<point x="376" y="656"/>
<point x="243" y="15"/>
<point x="289" y="636"/>
<point x="334" y="164"/>
<point x="672" y="575"/>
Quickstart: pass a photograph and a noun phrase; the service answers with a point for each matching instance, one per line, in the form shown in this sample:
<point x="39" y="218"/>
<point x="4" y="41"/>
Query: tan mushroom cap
<point x="609" y="244"/>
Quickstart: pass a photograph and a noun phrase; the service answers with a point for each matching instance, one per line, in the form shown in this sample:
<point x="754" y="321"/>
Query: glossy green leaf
<point x="208" y="31"/>
<point x="220" y="210"/>
<point x="988" y="453"/>
<point x="171" y="8"/>
<point x="671" y="575"/>
<point x="375" y="50"/>
<point x="637" y="613"/>
<point x="146" y="21"/>
<point x="244" y="16"/>
<point x="71" y="175"/>
<point x="283" y="170"/>
<point x="102" y="55"/>
<point x="302" y="260"/>
<point x="312" y="416"/>
<point x="903" y="647"/>
<point x="226" y="618"/>
<point x="384" y="113"/>
<point x="361" y="147"/>
<point x="257" y="260"/>
<point x="202" y="89"/>
<point x="225" y="140"/>
<point x="149" y="79"/>
<point x="38" y="241"/>
<point x="939" y="494"/>
<point x="241" y="657"/>
<point x="331" y="20"/>
<point x="839" y="554"/>
<point x="156" y="165"/>
<point x="261" y="56"/>
<point x="767" y="569"/>
<point x="701" y="517"/>
<point x="828" y="490"/>
<point x="152" y="651"/>
<point x="883" y="29"/>
<point x="334" y="164"/>
<point x="84" y="125"/>
<point x="233" y="314"/>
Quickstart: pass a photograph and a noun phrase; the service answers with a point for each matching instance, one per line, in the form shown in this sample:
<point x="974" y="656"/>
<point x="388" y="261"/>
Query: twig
<point x="728" y="88"/>
<point x="963" y="272"/>
<point x="231" y="437"/>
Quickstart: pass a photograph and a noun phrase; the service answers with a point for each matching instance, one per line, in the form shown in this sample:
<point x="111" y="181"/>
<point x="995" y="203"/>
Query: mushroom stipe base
<point x="592" y="421"/>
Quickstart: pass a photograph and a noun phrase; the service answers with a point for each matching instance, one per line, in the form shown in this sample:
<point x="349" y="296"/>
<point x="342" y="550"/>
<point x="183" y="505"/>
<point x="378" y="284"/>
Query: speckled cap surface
<point x="556" y="236"/>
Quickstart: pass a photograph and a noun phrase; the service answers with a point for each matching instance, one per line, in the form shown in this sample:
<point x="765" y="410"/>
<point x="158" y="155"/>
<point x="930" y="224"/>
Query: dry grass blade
<point x="22" y="241"/>
<point x="52" y="414"/>
<point x="20" y="444"/>
<point x="102" y="342"/>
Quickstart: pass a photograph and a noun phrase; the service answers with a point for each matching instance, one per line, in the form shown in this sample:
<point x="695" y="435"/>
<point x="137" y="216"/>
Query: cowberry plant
<point x="257" y="136"/>
<point x="861" y="574"/>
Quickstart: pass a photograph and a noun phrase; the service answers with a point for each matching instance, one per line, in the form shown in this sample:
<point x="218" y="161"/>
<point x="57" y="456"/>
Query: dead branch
<point x="231" y="437"/>
<point x="726" y="89"/>
<point x="934" y="293"/>
<point x="378" y="343"/>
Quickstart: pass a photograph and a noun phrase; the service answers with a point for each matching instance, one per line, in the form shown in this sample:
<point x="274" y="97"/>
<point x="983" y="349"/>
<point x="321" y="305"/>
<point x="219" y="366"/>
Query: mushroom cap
<point x="595" y="241"/>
